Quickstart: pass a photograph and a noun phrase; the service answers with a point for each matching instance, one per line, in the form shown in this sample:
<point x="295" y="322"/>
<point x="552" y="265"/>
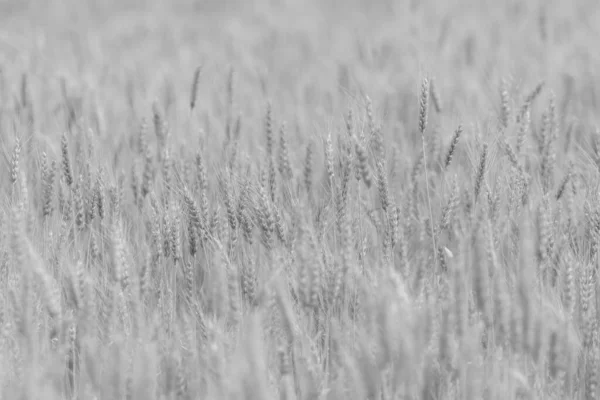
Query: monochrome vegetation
<point x="300" y="200"/>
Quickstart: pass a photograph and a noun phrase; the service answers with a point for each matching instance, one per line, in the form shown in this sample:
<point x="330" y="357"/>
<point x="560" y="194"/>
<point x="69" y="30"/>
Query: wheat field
<point x="287" y="199"/>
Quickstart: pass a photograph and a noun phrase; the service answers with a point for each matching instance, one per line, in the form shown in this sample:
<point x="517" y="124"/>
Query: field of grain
<point x="299" y="199"/>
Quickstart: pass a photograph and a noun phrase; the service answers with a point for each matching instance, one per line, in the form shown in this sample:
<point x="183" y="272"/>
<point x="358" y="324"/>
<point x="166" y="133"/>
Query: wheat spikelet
<point x="99" y="195"/>
<point x="229" y="101"/>
<point x="586" y="291"/>
<point x="237" y="129"/>
<point x="203" y="186"/>
<point x="308" y="167"/>
<point x="266" y="219"/>
<point x="305" y="273"/>
<point x="280" y="229"/>
<point x="216" y="226"/>
<point x="114" y="203"/>
<point x="159" y="126"/>
<point x="264" y="177"/>
<point x="511" y="154"/>
<point x="529" y="99"/>
<point x="147" y="174"/>
<point x="350" y="123"/>
<point x="329" y="163"/>
<point x="479" y="177"/>
<point x="272" y="181"/>
<point x="174" y="234"/>
<point x="247" y="224"/>
<point x="394" y="216"/>
<point x="192" y="238"/>
<point x="228" y="196"/>
<point x="192" y="209"/>
<point x="90" y="204"/>
<point x="423" y="112"/>
<point x="194" y="89"/>
<point x="547" y="151"/>
<point x="15" y="162"/>
<point x="435" y="96"/>
<point x="167" y="167"/>
<point x="342" y="197"/>
<point x="136" y="186"/>
<point x="285" y="168"/>
<point x="64" y="202"/>
<point x="452" y="147"/>
<point x="66" y="162"/>
<point x="144" y="276"/>
<point x="504" y="104"/>
<point x="156" y="230"/>
<point x="377" y="143"/>
<point x="48" y="173"/>
<point x="143" y="143"/>
<point x="423" y="105"/>
<point x="118" y="255"/>
<point x="269" y="130"/>
<point x="363" y="165"/>
<point x="569" y="290"/>
<point x="370" y="118"/>
<point x="79" y="204"/>
<point x="249" y="282"/>
<point x="562" y="187"/>
<point x="383" y="186"/>
<point x="524" y="125"/>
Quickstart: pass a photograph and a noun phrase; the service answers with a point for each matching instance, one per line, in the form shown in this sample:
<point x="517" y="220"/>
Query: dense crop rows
<point x="299" y="200"/>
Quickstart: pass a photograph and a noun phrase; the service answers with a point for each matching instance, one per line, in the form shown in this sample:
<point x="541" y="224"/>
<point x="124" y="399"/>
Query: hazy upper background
<point x="304" y="54"/>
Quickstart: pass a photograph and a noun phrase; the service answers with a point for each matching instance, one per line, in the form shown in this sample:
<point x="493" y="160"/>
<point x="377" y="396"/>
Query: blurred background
<point x="302" y="54"/>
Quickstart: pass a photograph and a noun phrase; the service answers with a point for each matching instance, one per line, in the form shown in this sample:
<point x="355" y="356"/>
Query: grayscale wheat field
<point x="287" y="199"/>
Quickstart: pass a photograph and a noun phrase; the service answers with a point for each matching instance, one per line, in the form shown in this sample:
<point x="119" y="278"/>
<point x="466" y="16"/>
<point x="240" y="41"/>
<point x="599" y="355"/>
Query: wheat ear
<point x="424" y="105"/>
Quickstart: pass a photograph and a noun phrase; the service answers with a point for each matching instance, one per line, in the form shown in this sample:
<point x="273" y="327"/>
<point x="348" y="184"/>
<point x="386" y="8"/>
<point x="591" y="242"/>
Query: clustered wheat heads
<point x="175" y="246"/>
